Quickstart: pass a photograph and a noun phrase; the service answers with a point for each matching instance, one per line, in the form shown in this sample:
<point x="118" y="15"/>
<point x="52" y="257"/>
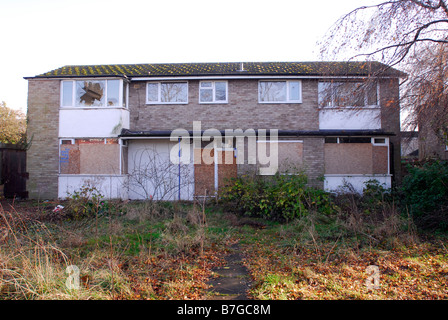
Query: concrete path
<point x="233" y="279"/>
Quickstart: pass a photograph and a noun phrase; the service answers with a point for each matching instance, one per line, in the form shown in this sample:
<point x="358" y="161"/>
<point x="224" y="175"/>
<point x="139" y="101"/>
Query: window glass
<point x="272" y="91"/>
<point x="325" y="95"/>
<point x="355" y="140"/>
<point x="173" y="92"/>
<point x="210" y="91"/>
<point x="67" y="93"/>
<point x="347" y="94"/>
<point x="113" y="92"/>
<point x="294" y="90"/>
<point x="90" y="93"/>
<point x="220" y="91"/>
<point x="206" y="95"/>
<point x="206" y="84"/>
<point x="372" y="95"/>
<point x="124" y="95"/>
<point x="153" y="92"/>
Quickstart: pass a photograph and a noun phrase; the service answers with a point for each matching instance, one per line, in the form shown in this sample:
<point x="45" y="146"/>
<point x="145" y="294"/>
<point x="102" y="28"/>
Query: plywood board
<point x="289" y="156"/>
<point x="99" y="158"/>
<point x="204" y="173"/>
<point x="69" y="159"/>
<point x="227" y="168"/>
<point x="380" y="159"/>
<point x="348" y="158"/>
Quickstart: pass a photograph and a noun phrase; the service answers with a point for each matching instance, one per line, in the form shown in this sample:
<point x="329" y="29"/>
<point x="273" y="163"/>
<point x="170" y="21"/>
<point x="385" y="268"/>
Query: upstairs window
<point x="166" y="92"/>
<point x="347" y="94"/>
<point x="279" y="92"/>
<point x="213" y="92"/>
<point x="93" y="93"/>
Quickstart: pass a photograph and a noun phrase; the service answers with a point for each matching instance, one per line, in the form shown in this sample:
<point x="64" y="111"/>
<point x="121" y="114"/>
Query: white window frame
<point x="213" y="88"/>
<point x="159" y="91"/>
<point x="372" y="140"/>
<point x="73" y="105"/>
<point x="72" y="141"/>
<point x="287" y="91"/>
<point x="366" y="97"/>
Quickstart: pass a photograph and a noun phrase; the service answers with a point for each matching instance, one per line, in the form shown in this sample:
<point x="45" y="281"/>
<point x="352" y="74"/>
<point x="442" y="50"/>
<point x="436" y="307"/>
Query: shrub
<point x="86" y="202"/>
<point x="425" y="189"/>
<point x="280" y="197"/>
<point x="424" y="195"/>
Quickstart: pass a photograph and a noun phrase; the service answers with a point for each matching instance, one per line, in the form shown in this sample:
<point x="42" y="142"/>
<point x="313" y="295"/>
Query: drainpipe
<point x="179" y="170"/>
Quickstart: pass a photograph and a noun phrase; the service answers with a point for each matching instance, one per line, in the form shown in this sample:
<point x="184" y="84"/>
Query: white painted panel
<point x="110" y="186"/>
<point x="101" y="122"/>
<point x="334" y="183"/>
<point x="152" y="174"/>
<point x="350" y="119"/>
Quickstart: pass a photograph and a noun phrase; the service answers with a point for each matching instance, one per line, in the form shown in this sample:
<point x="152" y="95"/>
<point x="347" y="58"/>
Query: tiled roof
<point x="225" y="69"/>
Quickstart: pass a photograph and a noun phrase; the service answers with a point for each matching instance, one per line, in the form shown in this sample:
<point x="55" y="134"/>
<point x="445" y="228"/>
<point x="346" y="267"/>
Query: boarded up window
<point x="90" y="156"/>
<point x="351" y="156"/>
<point x="348" y="158"/>
<point x="289" y="156"/>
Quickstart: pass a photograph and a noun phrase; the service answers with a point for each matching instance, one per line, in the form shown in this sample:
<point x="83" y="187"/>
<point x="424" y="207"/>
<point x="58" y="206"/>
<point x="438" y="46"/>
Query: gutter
<point x="128" y="134"/>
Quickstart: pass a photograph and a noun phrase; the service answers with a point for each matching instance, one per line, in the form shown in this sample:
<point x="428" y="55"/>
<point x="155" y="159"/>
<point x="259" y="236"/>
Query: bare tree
<point x="411" y="35"/>
<point x="388" y="31"/>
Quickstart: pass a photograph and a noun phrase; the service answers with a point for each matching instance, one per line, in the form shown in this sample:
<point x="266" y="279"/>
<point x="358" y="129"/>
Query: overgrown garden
<point x="298" y="242"/>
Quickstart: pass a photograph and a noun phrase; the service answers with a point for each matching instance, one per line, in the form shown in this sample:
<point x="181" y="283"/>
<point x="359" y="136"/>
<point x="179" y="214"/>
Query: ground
<point x="162" y="251"/>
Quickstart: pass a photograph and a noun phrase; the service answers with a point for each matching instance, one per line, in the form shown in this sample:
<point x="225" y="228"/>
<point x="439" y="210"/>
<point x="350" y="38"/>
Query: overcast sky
<point x="41" y="35"/>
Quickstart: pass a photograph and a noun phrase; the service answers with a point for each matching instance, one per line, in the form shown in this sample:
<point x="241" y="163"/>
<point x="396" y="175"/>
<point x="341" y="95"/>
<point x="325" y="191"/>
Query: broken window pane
<point x="90" y="93"/>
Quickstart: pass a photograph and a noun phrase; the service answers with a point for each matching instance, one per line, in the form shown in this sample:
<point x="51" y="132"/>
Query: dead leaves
<point x="416" y="272"/>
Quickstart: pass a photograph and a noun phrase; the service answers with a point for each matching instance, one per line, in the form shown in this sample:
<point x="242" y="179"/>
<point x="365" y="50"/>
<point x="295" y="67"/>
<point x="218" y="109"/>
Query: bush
<point x="425" y="188"/>
<point x="280" y="197"/>
<point x="425" y="193"/>
<point x="86" y="202"/>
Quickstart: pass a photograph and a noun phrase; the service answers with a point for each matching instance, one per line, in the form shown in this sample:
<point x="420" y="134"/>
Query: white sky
<point x="37" y="36"/>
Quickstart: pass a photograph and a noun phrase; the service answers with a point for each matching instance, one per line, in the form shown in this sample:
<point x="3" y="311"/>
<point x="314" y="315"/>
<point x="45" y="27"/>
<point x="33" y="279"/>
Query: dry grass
<point x="167" y="251"/>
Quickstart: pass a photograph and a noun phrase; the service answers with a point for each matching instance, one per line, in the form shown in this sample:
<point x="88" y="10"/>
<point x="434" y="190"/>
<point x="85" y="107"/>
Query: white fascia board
<point x="229" y="77"/>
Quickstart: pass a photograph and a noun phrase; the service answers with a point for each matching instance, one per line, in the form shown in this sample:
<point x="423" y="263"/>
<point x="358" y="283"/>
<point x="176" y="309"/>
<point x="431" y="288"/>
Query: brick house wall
<point x="43" y="127"/>
<point x="390" y="120"/>
<point x="242" y="110"/>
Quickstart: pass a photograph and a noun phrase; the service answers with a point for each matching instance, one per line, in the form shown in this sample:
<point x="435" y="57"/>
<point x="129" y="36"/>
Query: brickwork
<point x="314" y="161"/>
<point x="242" y="110"/>
<point x="43" y="124"/>
<point x="390" y="121"/>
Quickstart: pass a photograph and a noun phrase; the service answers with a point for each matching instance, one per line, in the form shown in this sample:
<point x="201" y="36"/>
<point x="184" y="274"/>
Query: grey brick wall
<point x="390" y="120"/>
<point x="314" y="160"/>
<point x="43" y="124"/>
<point x="242" y="110"/>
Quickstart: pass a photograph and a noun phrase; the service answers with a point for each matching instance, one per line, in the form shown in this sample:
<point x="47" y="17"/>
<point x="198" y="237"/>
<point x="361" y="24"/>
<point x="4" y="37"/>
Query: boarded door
<point x="212" y="173"/>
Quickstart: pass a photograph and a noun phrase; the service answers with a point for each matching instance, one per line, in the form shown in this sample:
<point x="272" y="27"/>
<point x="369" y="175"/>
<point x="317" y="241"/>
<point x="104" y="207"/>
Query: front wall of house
<point x="242" y="110"/>
<point x="42" y="156"/>
<point x="48" y="123"/>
